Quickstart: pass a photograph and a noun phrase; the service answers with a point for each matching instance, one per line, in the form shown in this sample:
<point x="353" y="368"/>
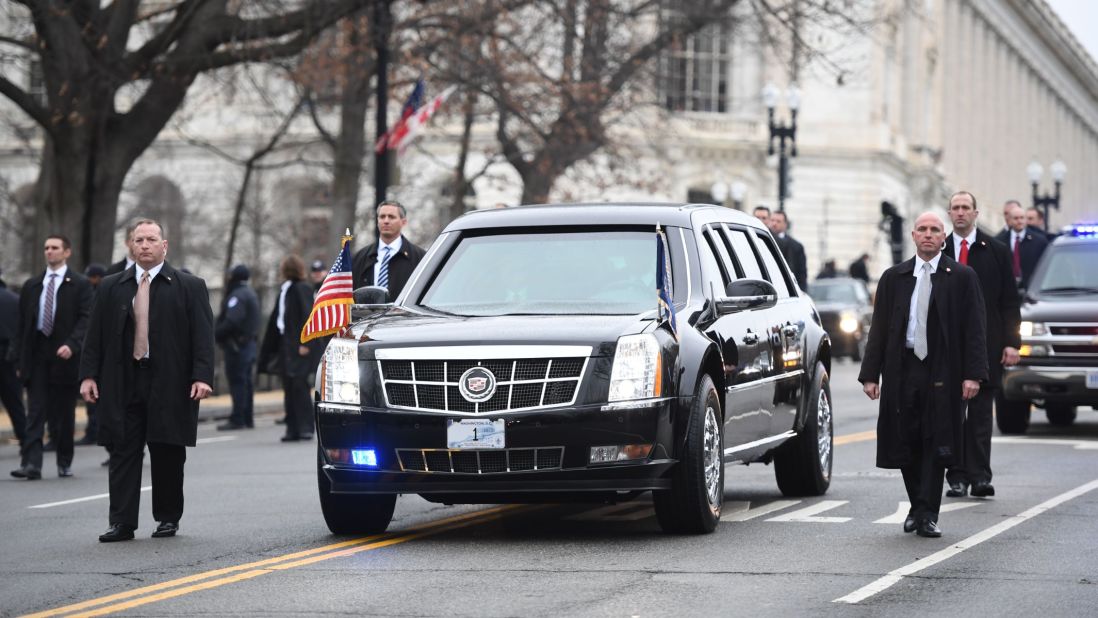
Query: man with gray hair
<point x="1026" y="245"/>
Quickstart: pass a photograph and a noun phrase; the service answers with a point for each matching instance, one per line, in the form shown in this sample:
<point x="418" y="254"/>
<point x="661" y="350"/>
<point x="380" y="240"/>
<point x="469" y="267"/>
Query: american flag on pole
<point x="393" y="137"/>
<point x="332" y="305"/>
<point x="415" y="123"/>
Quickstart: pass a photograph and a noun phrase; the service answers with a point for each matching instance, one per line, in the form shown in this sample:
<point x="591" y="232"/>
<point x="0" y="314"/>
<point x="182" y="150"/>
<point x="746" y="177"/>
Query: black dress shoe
<point x="64" y="471"/>
<point x="229" y="427"/>
<point x="31" y="474"/>
<point x="928" y="529"/>
<point x="957" y="490"/>
<point x="165" y="529"/>
<point x="909" y="523"/>
<point x="290" y="438"/>
<point x="117" y="532"/>
<point x="983" y="489"/>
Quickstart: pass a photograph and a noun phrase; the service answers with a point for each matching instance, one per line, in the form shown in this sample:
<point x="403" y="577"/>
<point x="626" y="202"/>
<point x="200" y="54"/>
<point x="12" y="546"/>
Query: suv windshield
<point x="1068" y="269"/>
<point x="834" y="292"/>
<point x="597" y="272"/>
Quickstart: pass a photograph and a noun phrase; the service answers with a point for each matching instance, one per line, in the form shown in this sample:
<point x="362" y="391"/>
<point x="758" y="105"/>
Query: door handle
<point x="750" y="339"/>
<point x="790" y="330"/>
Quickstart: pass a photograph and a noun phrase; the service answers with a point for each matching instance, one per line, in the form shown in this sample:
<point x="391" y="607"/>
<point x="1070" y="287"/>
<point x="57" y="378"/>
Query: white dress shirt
<point x="971" y="238"/>
<point x="393" y="248"/>
<point x="280" y="321"/>
<point x="910" y="337"/>
<point x="60" y="272"/>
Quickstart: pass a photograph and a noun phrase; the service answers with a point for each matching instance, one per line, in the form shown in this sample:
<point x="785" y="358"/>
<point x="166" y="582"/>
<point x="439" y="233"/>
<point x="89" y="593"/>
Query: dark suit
<point x="280" y="354"/>
<point x="11" y="393"/>
<point x="1032" y="247"/>
<point x="52" y="385"/>
<point x="991" y="261"/>
<point x="858" y="270"/>
<point x="919" y="428"/>
<point x="401" y="266"/>
<point x="795" y="257"/>
<point x="149" y="402"/>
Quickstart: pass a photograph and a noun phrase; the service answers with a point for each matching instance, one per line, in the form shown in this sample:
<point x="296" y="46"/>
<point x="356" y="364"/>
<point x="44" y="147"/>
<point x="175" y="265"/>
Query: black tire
<point x="1060" y="414"/>
<point x="1012" y="417"/>
<point x="802" y="466"/>
<point x="693" y="504"/>
<point x="353" y="513"/>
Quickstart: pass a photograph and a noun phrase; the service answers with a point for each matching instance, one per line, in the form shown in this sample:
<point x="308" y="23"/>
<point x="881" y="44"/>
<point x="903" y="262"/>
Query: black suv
<point x="1059" y="366"/>
<point x="527" y="361"/>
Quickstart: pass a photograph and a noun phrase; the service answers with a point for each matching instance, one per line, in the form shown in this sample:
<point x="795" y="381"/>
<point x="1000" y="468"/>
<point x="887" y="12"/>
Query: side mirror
<point x="369" y="299"/>
<point x="745" y="294"/>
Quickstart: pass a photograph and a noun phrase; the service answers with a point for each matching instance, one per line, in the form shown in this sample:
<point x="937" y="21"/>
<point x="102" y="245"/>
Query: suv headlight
<point x="340" y="372"/>
<point x="848" y="322"/>
<point x="1030" y="329"/>
<point x="638" y="369"/>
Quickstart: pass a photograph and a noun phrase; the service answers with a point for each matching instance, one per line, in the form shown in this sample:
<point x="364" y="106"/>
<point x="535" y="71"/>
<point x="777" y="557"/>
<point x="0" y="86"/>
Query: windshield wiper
<point x="450" y="313"/>
<point x="1069" y="289"/>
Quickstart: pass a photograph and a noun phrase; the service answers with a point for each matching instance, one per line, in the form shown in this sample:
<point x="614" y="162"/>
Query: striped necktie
<point x="383" y="270"/>
<point x="47" y="306"/>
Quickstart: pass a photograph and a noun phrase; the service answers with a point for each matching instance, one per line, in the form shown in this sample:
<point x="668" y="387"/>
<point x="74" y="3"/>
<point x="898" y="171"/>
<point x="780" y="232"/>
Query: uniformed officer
<point x="236" y="329"/>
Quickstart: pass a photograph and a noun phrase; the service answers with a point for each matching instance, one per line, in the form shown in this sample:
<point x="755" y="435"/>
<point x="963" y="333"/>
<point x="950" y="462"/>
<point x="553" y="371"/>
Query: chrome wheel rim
<point x="712" y="458"/>
<point x="823" y="432"/>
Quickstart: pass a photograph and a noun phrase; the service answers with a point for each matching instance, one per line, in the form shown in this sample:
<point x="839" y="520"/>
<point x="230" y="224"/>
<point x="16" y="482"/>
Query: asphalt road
<point x="253" y="542"/>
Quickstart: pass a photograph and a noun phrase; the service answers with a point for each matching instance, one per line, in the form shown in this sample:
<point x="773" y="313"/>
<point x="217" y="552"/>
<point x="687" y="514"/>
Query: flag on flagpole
<point x="332" y="305"/>
<point x="417" y="121"/>
<point x="664" y="299"/>
<point x="415" y="100"/>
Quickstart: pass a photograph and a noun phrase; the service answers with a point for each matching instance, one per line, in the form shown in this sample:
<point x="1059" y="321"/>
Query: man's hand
<point x="872" y="390"/>
<point x="1010" y="357"/>
<point x="200" y="390"/>
<point x="89" y="390"/>
<point x="302" y="350"/>
<point x="969" y="389"/>
<point x="64" y="352"/>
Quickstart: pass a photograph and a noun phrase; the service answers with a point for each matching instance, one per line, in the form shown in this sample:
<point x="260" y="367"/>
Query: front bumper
<point x="1057" y="384"/>
<point x="570" y="431"/>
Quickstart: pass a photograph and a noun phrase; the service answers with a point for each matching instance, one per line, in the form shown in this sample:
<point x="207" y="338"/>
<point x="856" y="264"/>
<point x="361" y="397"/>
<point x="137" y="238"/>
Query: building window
<point x="694" y="71"/>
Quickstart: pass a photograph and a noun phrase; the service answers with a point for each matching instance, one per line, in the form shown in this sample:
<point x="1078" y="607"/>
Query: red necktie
<point x="1017" y="257"/>
<point x="963" y="257"/>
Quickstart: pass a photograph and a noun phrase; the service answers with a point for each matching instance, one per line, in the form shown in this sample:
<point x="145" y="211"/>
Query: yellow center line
<point x="850" y="438"/>
<point x="260" y="567"/>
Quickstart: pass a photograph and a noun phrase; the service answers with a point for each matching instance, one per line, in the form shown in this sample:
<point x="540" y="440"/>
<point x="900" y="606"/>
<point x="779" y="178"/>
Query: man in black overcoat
<point x="398" y="256"/>
<point x="53" y="316"/>
<point x="11" y="392"/>
<point x="1026" y="245"/>
<point x="992" y="262"/>
<point x="926" y="347"/>
<point x="148" y="360"/>
<point x="790" y="247"/>
<point x="282" y="352"/>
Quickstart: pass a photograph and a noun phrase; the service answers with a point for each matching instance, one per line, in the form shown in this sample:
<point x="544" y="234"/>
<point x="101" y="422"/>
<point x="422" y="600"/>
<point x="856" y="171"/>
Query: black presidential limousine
<point x="527" y="361"/>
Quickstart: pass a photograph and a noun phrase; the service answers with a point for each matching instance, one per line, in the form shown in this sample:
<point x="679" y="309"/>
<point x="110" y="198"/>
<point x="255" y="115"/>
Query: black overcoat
<point x="1033" y="247"/>
<point x="181" y="352"/>
<point x="73" y="302"/>
<point x="991" y="261"/>
<point x="401" y="266"/>
<point x="955" y="338"/>
<point x="279" y="352"/>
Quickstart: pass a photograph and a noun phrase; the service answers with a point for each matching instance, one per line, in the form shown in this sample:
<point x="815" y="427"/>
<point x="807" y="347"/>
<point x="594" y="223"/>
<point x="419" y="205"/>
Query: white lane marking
<point x="1080" y="445"/>
<point x="809" y="514"/>
<point x="758" y="511"/>
<point x="895" y="576"/>
<point x="627" y="511"/>
<point x="75" y="500"/>
<point x="217" y="439"/>
<point x="901" y="511"/>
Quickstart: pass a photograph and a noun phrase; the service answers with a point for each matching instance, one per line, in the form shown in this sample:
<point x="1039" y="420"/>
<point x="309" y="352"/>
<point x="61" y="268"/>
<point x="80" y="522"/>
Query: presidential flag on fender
<point x="663" y="283"/>
<point x="332" y="305"/>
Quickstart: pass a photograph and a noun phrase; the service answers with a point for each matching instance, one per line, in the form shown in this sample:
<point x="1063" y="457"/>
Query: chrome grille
<point x="456" y="461"/>
<point x="1069" y="339"/>
<point x="521" y="384"/>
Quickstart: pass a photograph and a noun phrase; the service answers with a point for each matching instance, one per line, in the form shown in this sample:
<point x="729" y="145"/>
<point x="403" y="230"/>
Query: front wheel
<point x="1060" y="414"/>
<point x="1012" y="417"/>
<point x="802" y="466"/>
<point x="693" y="504"/>
<point x="353" y="513"/>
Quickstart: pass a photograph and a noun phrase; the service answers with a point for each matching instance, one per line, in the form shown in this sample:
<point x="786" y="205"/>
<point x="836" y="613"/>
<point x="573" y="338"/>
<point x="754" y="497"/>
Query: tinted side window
<point x="711" y="269"/>
<point x="770" y="257"/>
<point x="721" y="253"/>
<point x="745" y="253"/>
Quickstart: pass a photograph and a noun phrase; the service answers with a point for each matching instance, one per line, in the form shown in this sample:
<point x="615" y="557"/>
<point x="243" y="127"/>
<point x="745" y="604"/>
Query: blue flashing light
<point x="1084" y="230"/>
<point x="364" y="457"/>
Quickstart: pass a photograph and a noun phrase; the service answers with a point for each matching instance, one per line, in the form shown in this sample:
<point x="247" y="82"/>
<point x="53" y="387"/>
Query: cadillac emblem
<point x="477" y="385"/>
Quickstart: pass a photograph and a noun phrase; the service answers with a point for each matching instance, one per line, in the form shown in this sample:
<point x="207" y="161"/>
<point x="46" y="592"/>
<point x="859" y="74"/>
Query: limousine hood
<point x="401" y="328"/>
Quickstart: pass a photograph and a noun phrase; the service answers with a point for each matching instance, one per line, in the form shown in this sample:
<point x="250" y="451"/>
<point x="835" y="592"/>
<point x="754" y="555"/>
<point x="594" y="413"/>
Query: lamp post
<point x="1046" y="201"/>
<point x="781" y="132"/>
<point x="737" y="191"/>
<point x="719" y="192"/>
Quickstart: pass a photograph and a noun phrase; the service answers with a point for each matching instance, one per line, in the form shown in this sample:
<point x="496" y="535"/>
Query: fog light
<point x="364" y="457"/>
<point x="1033" y="350"/>
<point x="625" y="452"/>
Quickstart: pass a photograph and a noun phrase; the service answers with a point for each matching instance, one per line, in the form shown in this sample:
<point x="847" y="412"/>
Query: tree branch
<point x="18" y="43"/>
<point x="25" y="102"/>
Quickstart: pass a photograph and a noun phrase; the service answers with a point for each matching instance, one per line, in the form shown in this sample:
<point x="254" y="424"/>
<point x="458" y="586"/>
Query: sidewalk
<point x="212" y="408"/>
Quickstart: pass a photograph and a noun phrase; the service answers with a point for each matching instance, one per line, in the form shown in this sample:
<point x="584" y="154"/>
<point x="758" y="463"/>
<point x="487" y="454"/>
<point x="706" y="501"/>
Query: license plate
<point x="1092" y="379"/>
<point x="475" y="433"/>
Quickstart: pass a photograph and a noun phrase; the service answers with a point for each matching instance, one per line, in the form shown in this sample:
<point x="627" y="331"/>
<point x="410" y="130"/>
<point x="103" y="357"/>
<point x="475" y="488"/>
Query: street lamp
<point x="738" y="191"/>
<point x="781" y="131"/>
<point x="719" y="192"/>
<point x="1046" y="201"/>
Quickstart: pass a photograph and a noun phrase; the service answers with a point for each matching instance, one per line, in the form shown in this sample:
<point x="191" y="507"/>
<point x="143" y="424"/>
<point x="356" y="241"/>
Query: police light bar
<point x="1083" y="230"/>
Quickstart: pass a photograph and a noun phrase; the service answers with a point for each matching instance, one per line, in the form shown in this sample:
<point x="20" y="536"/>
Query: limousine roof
<point x="624" y="213"/>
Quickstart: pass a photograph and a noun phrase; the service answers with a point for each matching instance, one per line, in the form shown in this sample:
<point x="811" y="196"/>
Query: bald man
<point x="1026" y="244"/>
<point x="927" y="342"/>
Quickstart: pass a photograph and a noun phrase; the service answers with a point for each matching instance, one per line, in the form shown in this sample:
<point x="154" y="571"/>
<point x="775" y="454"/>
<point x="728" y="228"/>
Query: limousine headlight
<point x="340" y="371"/>
<point x="637" y="369"/>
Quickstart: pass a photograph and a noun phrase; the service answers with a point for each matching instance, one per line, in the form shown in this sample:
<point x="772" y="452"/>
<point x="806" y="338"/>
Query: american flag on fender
<point x="332" y="305"/>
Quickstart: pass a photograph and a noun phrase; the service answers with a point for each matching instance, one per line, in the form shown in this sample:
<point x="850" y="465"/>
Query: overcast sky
<point x="1081" y="16"/>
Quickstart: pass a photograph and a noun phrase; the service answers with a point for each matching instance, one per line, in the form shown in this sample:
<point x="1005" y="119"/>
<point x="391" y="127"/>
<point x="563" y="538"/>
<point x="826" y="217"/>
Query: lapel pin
<point x="947" y="269"/>
<point x="983" y="242"/>
<point x="167" y="277"/>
